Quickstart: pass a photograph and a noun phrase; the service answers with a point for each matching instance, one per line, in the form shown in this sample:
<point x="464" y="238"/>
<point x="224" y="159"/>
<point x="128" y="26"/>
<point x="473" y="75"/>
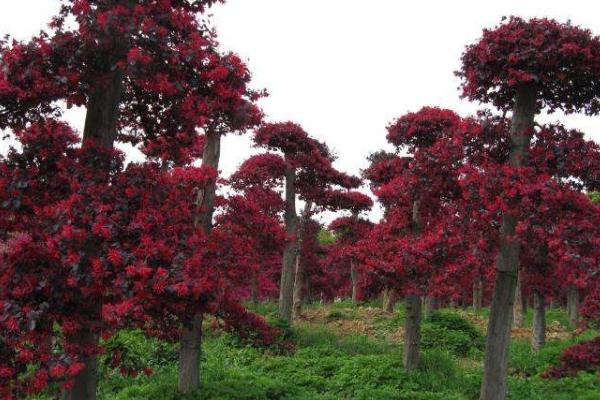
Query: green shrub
<point x="455" y="322"/>
<point x="335" y="315"/>
<point x="448" y="331"/>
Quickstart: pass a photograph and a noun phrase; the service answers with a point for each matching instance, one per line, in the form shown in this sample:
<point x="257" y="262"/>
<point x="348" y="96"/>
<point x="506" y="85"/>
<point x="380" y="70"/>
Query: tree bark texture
<point x="431" y="304"/>
<point x="86" y="382"/>
<point x="354" y="278"/>
<point x="189" y="356"/>
<point x="539" y="322"/>
<point x="478" y="295"/>
<point x="300" y="278"/>
<point x="286" y="287"/>
<point x="390" y="297"/>
<point x="412" y="327"/>
<point x="254" y="289"/>
<point x="412" y="332"/>
<point x="190" y="344"/>
<point x="573" y="305"/>
<point x="493" y="386"/>
<point x="518" y="311"/>
<point x="100" y="128"/>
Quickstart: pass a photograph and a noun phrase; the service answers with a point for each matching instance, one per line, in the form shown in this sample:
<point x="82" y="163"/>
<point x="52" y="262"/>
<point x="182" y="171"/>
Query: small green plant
<point x="335" y="315"/>
<point x="449" y="331"/>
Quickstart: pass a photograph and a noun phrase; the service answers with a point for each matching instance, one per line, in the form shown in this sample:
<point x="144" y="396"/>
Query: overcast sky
<point x="345" y="68"/>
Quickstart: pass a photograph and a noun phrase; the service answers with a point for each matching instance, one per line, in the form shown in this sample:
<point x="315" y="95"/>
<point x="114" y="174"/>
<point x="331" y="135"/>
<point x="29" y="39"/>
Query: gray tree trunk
<point x="539" y="322"/>
<point x="518" y="312"/>
<point x="573" y="305"/>
<point x="86" y="382"/>
<point x="189" y="355"/>
<point x="354" y="277"/>
<point x="390" y="297"/>
<point x="286" y="288"/>
<point x="103" y="111"/>
<point x="431" y="305"/>
<point x="478" y="295"/>
<point x="412" y="332"/>
<point x="298" y="286"/>
<point x="190" y="342"/>
<point x="100" y="127"/>
<point x="493" y="386"/>
<point x="300" y="277"/>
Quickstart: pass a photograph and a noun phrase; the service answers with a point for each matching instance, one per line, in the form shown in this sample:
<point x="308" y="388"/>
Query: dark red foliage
<point x="558" y="225"/>
<point x="248" y="326"/>
<point x="414" y="243"/>
<point x="584" y="356"/>
<point x="287" y="137"/>
<point x="355" y="202"/>
<point x="317" y="182"/>
<point x="266" y="170"/>
<point x="174" y="79"/>
<point x="255" y="218"/>
<point x="590" y="309"/>
<point x="119" y="245"/>
<point x="57" y="200"/>
<point x="561" y="61"/>
<point x="345" y="253"/>
<point x="421" y="129"/>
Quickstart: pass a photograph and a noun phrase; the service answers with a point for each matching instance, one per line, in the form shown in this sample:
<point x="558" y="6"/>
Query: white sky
<point x="345" y="68"/>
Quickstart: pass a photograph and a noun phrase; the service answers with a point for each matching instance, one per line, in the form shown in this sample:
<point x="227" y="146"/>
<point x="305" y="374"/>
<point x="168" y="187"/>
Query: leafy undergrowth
<point x="346" y="352"/>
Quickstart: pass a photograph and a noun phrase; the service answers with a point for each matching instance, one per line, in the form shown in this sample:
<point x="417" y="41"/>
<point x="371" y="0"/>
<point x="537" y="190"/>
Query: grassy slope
<point x="346" y="352"/>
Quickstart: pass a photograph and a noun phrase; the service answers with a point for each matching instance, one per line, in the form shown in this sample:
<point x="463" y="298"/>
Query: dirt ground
<point x="377" y="323"/>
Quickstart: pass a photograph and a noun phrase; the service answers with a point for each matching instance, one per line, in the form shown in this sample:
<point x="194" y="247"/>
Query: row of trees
<point x="91" y="245"/>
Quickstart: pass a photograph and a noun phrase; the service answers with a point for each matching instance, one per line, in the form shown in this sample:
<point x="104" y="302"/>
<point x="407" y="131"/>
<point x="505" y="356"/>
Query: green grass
<point x="329" y="365"/>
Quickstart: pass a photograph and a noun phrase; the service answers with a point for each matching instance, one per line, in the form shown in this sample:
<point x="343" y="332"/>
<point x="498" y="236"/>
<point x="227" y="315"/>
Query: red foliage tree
<point x="309" y="173"/>
<point x="525" y="66"/>
<point x="344" y="253"/>
<point x="112" y="61"/>
<point x="418" y="191"/>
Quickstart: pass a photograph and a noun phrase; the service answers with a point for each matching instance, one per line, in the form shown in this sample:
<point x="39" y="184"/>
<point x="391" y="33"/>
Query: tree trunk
<point x="205" y="198"/>
<point x="298" y="285"/>
<point x="354" y="277"/>
<point x="389" y="299"/>
<point x="309" y="294"/>
<point x="85" y="383"/>
<point x="103" y="111"/>
<point x="430" y="306"/>
<point x="191" y="339"/>
<point x="539" y="322"/>
<point x="254" y="289"/>
<point x="300" y="276"/>
<point x="189" y="355"/>
<point x="100" y="128"/>
<point x="290" y="252"/>
<point x="519" y="317"/>
<point x="573" y="305"/>
<point x="493" y="386"/>
<point x="412" y="332"/>
<point x="477" y="295"/>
